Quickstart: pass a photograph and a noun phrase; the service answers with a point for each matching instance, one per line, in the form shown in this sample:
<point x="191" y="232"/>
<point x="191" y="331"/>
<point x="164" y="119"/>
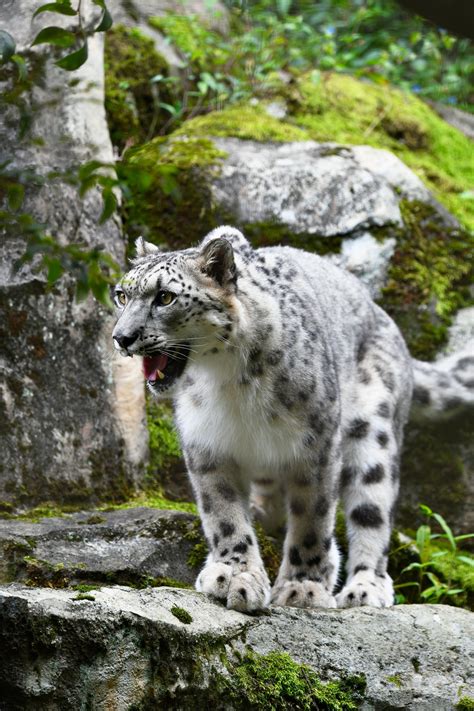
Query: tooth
<point x="160" y="374"/>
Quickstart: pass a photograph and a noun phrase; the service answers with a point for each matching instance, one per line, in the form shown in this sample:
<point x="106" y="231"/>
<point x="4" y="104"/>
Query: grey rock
<point x="461" y="332"/>
<point x="125" y="647"/>
<point x="367" y="258"/>
<point x="128" y="545"/>
<point x="461" y="120"/>
<point x="308" y="187"/>
<point x="72" y="427"/>
<point x="315" y="188"/>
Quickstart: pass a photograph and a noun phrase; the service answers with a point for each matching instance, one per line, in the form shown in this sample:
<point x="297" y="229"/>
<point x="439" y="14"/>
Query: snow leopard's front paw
<point x="367" y="588"/>
<point x="306" y="593"/>
<point x="247" y="591"/>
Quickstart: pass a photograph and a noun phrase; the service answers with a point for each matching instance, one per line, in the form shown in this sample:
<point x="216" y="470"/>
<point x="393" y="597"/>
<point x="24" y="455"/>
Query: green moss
<point x="199" y="551"/>
<point x="82" y="588"/>
<point x="165" y="450"/>
<point x="152" y="500"/>
<point x="169" y="199"/>
<point x="428" y="278"/>
<point x="465" y="703"/>
<point x="267" y="234"/>
<point x="182" y="615"/>
<point x="276" y="681"/>
<point x="341" y="108"/>
<point x="131" y="97"/>
<point x="84" y="596"/>
<point x="243" y="121"/>
<point x="270" y="551"/>
<point x="395" y="679"/>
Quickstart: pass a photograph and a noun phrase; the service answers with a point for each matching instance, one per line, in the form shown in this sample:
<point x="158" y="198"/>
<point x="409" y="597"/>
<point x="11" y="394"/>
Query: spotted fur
<point x="294" y="394"/>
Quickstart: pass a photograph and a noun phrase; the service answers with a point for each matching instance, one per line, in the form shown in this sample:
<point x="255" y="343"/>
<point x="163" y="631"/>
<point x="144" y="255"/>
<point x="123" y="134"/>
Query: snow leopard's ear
<point x="218" y="261"/>
<point x="144" y="249"/>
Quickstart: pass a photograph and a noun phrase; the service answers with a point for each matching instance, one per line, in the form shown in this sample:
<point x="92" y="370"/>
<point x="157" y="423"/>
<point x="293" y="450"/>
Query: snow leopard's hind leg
<point x="369" y="479"/>
<point x="310" y="565"/>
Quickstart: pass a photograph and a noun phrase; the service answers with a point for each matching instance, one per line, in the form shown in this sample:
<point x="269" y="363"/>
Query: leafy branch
<point x="92" y="269"/>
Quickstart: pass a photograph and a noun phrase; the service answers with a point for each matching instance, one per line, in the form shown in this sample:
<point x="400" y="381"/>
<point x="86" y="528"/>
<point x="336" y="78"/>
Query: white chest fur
<point x="238" y="421"/>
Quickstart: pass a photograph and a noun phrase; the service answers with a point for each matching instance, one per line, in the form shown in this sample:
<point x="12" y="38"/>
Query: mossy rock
<point x="341" y="108"/>
<point x="428" y="279"/>
<point x="170" y="197"/>
<point x="135" y="86"/>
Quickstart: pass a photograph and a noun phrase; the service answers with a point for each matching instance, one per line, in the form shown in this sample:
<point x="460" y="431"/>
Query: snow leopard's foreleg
<point x="234" y="571"/>
<point x="310" y="564"/>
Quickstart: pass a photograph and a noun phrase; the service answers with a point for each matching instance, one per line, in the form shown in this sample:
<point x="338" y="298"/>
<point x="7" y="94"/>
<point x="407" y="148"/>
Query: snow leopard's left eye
<point x="165" y="298"/>
<point x="120" y="299"/>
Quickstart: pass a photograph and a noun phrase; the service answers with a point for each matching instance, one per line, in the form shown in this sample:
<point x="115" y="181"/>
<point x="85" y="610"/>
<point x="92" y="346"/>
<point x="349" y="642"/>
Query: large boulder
<point x="134" y="546"/>
<point x="176" y="649"/>
<point x="72" y="417"/>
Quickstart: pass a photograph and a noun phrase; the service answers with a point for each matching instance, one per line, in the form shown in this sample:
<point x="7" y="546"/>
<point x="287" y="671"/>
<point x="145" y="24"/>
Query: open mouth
<point x="163" y="369"/>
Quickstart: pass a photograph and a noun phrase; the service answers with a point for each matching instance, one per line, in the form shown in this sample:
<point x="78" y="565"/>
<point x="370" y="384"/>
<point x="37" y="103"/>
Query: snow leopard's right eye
<point x="120" y="299"/>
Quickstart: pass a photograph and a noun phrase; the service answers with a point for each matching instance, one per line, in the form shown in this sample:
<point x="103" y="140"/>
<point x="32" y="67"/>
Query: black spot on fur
<point x="322" y="506"/>
<point x="240" y="547"/>
<point x="360" y="568"/>
<point x="348" y="474"/>
<point x="295" y="558"/>
<point x="382" y="439"/>
<point x="249" y="540"/>
<point x="464" y="363"/>
<point x="374" y="475"/>
<point x="383" y="410"/>
<point x="297" y="507"/>
<point x="224" y="552"/>
<point x="358" y="428"/>
<point x="215" y="540"/>
<point x="421" y="395"/>
<point x="226" y="491"/>
<point x="364" y="376"/>
<point x="227" y="529"/>
<point x="315" y="560"/>
<point x="206" y="503"/>
<point x="310" y="540"/>
<point x="367" y="516"/>
<point x="327" y="543"/>
<point x="243" y="592"/>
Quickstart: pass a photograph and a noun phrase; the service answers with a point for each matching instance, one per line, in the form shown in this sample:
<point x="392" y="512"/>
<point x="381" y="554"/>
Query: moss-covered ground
<point x="276" y="681"/>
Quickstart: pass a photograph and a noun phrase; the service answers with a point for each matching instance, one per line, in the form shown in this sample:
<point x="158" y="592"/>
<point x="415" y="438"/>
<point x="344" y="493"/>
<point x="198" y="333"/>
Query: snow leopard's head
<point x="175" y="306"/>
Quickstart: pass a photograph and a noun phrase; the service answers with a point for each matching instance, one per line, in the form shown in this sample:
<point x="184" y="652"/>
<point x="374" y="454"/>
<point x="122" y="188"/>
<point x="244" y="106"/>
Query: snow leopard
<point x="291" y="389"/>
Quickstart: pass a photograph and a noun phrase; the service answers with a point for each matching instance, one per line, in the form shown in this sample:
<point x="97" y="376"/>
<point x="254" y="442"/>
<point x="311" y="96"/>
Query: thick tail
<point x="444" y="388"/>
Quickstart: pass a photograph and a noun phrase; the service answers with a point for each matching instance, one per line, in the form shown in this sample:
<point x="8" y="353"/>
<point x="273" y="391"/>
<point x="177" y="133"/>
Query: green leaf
<point x="465" y="559"/>
<point x="75" y="60"/>
<point x="21" y="66"/>
<point x="55" y="270"/>
<point x="7" y="46"/>
<point x="63" y="8"/>
<point x="105" y="23"/>
<point x="82" y="286"/>
<point x="110" y="204"/>
<point x="449" y="534"/>
<point x="55" y="35"/>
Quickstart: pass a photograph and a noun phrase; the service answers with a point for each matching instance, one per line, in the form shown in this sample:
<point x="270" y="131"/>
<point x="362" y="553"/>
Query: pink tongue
<point x="153" y="363"/>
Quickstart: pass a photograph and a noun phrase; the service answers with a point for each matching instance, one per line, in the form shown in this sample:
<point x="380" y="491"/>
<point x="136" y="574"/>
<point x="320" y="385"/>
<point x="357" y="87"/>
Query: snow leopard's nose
<point x="126" y="341"/>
